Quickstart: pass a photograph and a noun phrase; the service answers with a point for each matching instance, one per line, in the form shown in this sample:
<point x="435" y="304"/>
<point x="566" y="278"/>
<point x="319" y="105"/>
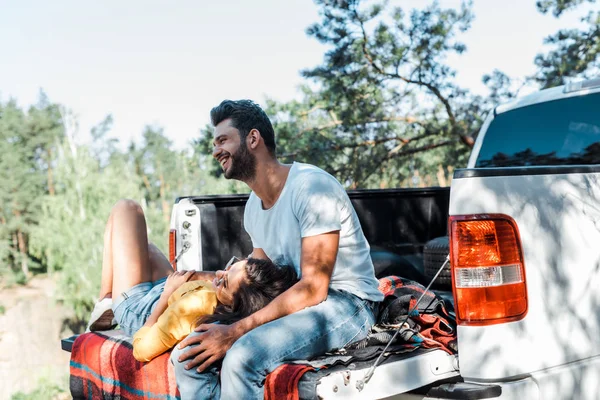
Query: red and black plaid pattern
<point x="103" y="367"/>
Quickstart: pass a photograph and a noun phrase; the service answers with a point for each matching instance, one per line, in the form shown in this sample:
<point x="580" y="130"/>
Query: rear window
<point x="560" y="132"/>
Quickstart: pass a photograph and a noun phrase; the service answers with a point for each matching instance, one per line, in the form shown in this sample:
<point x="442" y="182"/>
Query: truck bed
<point x="127" y="378"/>
<point x="396" y="222"/>
<point x="102" y="363"/>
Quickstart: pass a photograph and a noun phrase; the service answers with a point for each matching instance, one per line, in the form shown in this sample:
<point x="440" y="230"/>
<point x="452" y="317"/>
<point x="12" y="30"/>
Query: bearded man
<point x="297" y="215"/>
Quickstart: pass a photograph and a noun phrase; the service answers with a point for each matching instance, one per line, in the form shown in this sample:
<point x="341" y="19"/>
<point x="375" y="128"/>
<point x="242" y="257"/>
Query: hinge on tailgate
<point x="186" y="247"/>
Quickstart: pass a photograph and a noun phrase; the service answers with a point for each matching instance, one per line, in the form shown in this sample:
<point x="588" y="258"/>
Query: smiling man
<point x="296" y="215"/>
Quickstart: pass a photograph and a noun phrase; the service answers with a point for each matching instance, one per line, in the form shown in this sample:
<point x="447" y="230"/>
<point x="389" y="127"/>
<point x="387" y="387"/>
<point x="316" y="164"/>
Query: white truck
<point x="524" y="236"/>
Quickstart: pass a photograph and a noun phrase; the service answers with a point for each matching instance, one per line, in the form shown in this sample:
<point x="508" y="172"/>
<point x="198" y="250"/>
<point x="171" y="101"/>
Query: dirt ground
<point x="30" y="331"/>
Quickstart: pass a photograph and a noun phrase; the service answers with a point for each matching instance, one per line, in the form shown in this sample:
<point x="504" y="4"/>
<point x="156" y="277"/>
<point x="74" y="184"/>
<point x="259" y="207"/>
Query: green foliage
<point x="46" y="389"/>
<point x="383" y="108"/>
<point x="574" y="52"/>
<point x="557" y="7"/>
<point x="27" y="142"/>
<point x="69" y="236"/>
<point x="56" y="194"/>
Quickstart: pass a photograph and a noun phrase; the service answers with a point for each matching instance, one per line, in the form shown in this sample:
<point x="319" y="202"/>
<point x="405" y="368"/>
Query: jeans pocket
<point x="366" y="307"/>
<point x="361" y="330"/>
<point x="362" y="321"/>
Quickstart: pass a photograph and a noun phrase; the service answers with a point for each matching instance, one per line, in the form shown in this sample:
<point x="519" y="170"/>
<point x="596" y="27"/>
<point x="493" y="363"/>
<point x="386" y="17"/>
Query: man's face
<point x="232" y="153"/>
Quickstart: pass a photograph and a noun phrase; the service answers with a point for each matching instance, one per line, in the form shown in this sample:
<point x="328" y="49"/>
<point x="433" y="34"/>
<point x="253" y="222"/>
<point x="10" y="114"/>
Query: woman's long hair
<point x="264" y="281"/>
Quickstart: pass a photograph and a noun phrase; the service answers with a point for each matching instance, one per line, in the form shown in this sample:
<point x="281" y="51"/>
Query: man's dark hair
<point x="245" y="115"/>
<point x="264" y="281"/>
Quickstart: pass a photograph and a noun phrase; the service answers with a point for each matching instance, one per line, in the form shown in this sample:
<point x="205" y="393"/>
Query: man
<point x="296" y="215"/>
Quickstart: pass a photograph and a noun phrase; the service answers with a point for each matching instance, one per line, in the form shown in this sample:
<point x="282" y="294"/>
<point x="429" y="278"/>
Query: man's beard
<point x="243" y="165"/>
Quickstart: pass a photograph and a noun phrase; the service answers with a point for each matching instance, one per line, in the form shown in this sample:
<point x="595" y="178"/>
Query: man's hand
<point x="208" y="347"/>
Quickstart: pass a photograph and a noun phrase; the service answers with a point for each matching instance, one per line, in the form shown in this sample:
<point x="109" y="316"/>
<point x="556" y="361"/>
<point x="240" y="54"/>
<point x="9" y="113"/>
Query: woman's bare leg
<point x="130" y="253"/>
<point x="159" y="265"/>
<point x="128" y="258"/>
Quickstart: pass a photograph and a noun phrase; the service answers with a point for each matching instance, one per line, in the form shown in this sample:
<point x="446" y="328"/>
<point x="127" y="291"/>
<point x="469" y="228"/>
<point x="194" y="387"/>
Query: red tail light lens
<point x="173" y="248"/>
<point x="488" y="274"/>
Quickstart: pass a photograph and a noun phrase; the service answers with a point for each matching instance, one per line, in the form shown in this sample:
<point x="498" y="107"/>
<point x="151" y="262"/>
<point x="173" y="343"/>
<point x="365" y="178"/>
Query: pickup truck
<point x="523" y="228"/>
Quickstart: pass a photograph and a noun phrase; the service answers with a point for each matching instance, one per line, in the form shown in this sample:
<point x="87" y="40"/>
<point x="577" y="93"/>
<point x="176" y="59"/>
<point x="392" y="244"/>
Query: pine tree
<point x="575" y="53"/>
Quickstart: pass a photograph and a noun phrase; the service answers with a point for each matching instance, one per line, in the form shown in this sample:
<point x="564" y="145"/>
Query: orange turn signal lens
<point x="488" y="274"/>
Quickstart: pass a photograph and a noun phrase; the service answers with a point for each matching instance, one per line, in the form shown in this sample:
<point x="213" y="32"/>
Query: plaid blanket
<point x="103" y="367"/>
<point x="426" y="324"/>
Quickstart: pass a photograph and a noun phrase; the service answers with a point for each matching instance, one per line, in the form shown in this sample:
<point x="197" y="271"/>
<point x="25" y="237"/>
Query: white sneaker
<point x="102" y="318"/>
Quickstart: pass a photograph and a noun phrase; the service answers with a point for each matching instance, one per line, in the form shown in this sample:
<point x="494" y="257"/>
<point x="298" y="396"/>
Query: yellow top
<point x="190" y="301"/>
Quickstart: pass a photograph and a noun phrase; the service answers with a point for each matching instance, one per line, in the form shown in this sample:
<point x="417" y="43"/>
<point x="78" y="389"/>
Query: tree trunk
<point x="441" y="176"/>
<point x="163" y="200"/>
<point x="20" y="243"/>
<point x="71" y="127"/>
<point x="50" y="174"/>
<point x="23" y="251"/>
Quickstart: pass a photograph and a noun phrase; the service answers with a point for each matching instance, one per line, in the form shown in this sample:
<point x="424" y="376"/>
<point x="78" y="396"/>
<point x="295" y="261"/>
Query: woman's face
<point x="227" y="282"/>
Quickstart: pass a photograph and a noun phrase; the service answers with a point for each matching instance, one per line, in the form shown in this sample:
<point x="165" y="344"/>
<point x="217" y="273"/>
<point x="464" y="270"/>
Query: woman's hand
<point x="175" y="280"/>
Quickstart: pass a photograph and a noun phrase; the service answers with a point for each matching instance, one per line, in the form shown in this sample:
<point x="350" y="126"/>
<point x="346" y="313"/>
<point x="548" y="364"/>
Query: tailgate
<point x="398" y="374"/>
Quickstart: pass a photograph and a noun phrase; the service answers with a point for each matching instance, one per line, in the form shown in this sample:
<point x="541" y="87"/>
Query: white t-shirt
<point x="311" y="203"/>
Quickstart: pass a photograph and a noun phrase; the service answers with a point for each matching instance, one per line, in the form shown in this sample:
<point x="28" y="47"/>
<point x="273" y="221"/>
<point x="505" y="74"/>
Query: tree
<point x="69" y="235"/>
<point x="27" y="144"/>
<point x="156" y="164"/>
<point x="383" y="106"/>
<point x="575" y="52"/>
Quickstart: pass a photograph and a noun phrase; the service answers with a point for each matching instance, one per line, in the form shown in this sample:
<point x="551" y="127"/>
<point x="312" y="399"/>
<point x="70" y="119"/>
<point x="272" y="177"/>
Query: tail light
<point x="173" y="248"/>
<point x="488" y="274"/>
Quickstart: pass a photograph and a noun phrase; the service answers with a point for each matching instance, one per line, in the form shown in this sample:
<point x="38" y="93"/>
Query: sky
<point x="168" y="63"/>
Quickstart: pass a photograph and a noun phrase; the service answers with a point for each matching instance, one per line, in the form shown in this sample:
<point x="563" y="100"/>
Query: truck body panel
<point x="559" y="226"/>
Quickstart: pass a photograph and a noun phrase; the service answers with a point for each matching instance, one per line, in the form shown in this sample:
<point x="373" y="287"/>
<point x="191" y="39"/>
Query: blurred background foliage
<point x="382" y="110"/>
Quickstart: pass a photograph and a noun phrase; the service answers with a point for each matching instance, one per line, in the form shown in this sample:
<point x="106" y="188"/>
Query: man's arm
<point x="317" y="261"/>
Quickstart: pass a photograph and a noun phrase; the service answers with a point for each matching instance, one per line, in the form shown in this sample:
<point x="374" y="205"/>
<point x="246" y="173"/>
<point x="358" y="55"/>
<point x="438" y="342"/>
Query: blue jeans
<point x="341" y="319"/>
<point x="133" y="307"/>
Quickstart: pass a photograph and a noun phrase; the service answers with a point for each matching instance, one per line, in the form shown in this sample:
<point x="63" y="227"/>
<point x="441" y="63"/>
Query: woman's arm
<point x="161" y="306"/>
<point x="174" y="281"/>
<point x="176" y="322"/>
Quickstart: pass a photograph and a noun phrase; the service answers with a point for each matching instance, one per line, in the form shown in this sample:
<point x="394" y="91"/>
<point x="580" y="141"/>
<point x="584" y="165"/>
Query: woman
<point x="159" y="307"/>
